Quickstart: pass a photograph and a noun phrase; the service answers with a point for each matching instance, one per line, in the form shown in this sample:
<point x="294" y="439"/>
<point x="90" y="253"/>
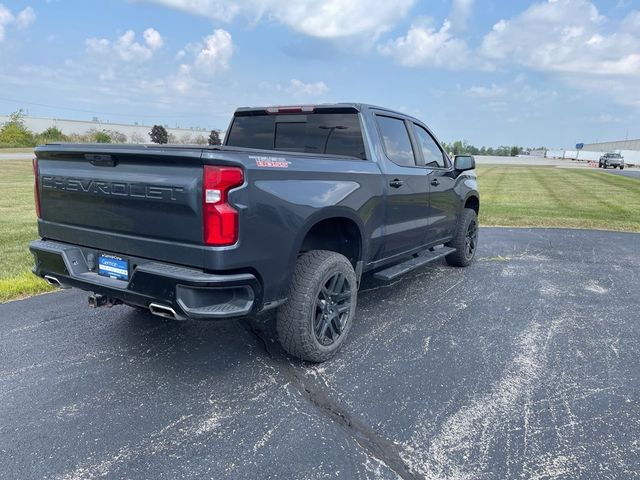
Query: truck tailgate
<point x="124" y="199"/>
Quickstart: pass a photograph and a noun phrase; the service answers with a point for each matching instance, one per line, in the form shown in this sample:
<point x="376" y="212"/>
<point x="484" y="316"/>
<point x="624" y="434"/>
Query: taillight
<point x="220" y="218"/>
<point x="36" y="185"/>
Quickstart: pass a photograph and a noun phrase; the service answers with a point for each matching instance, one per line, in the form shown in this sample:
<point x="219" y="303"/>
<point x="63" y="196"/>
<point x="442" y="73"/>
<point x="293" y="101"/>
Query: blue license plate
<point x="114" y="267"/>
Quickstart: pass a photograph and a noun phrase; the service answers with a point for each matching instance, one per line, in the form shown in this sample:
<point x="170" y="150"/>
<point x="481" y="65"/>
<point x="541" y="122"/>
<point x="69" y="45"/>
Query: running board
<point x="423" y="258"/>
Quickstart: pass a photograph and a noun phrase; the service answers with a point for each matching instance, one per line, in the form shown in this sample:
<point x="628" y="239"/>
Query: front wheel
<point x="465" y="240"/>
<point x="621" y="167"/>
<point x="317" y="316"/>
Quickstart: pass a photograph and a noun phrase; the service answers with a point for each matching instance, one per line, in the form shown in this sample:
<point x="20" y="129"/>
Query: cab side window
<point x="396" y="141"/>
<point x="433" y="156"/>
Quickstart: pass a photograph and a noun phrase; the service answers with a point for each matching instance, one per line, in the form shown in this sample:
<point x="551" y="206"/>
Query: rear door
<point x="407" y="187"/>
<point x="443" y="200"/>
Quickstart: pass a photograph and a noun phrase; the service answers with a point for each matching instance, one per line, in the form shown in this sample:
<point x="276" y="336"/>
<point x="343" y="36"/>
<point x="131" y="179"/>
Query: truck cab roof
<point x="340" y="106"/>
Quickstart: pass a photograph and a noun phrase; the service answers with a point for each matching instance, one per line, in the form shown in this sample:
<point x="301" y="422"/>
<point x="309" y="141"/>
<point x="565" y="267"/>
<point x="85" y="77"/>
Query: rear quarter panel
<point x="283" y="197"/>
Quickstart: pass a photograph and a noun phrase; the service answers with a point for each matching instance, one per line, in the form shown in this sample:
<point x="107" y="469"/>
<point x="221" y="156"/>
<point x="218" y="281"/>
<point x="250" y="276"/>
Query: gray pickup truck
<point x="289" y="213"/>
<point x="613" y="159"/>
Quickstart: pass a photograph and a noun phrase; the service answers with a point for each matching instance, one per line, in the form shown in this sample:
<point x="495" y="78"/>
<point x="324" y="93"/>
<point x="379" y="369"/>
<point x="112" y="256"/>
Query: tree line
<point x="460" y="147"/>
<point x="14" y="133"/>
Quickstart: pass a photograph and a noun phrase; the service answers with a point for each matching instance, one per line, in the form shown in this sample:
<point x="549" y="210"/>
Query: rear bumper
<point x="189" y="292"/>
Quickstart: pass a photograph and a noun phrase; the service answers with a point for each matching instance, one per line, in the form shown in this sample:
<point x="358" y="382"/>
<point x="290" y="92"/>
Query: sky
<point x="492" y="72"/>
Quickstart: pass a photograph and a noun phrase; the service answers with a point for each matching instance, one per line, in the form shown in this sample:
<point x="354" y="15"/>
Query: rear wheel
<point x="465" y="240"/>
<point x="316" y="318"/>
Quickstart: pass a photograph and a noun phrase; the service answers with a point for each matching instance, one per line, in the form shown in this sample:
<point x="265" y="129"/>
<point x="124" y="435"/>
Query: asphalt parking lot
<point x="635" y="173"/>
<point x="524" y="365"/>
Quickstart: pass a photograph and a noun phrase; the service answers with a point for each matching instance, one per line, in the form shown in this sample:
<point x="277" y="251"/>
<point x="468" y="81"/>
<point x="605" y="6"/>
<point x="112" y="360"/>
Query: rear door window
<point x="395" y="138"/>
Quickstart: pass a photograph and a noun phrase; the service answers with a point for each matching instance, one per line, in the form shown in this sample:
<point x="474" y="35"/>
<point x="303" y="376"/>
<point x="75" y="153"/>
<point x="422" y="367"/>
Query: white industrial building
<point x="631" y="145"/>
<point x="629" y="149"/>
<point x="135" y="133"/>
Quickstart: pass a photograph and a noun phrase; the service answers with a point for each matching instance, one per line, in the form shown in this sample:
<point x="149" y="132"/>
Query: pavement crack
<point x="371" y="441"/>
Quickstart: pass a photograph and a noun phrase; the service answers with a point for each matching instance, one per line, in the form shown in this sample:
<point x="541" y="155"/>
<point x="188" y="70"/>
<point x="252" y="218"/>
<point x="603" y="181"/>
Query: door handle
<point x="435" y="182"/>
<point x="396" y="183"/>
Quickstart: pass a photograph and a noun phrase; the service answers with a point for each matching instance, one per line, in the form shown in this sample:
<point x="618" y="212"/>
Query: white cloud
<point x="97" y="45"/>
<point x="294" y="90"/>
<point x="22" y="20"/>
<point x="425" y="46"/>
<point x="566" y="36"/>
<point x="491" y="91"/>
<point x="460" y="13"/>
<point x="324" y="19"/>
<point x="153" y="38"/>
<point x="607" y="118"/>
<point x="202" y="61"/>
<point x="215" y="52"/>
<point x="220" y="10"/>
<point x="126" y="47"/>
<point x="572" y="39"/>
<point x="26" y="17"/>
<point x="299" y="88"/>
<point x="515" y="96"/>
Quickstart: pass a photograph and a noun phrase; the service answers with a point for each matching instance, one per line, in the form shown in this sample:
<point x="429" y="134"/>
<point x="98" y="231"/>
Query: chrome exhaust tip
<point x="164" y="311"/>
<point x="53" y="281"/>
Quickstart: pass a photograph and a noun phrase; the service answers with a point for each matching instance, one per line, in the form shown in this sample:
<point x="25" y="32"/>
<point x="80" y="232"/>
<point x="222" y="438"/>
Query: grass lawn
<point x="17" y="228"/>
<point x="16" y="150"/>
<point x="511" y="195"/>
<point x="558" y="197"/>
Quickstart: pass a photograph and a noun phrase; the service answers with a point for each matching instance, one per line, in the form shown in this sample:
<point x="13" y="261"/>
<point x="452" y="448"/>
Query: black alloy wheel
<point x="333" y="307"/>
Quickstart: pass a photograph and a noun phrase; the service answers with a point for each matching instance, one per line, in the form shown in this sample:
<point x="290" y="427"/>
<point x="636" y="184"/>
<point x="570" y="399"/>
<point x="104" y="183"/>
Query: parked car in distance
<point x="288" y="214"/>
<point x="611" y="160"/>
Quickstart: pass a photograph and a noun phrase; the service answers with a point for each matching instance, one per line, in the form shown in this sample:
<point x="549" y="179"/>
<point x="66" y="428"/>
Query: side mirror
<point x="464" y="162"/>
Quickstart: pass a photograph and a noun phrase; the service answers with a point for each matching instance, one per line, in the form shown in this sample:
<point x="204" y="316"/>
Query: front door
<point x="443" y="201"/>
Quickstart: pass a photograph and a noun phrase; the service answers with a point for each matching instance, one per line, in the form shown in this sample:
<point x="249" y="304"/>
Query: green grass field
<point x="17" y="228"/>
<point x="558" y="197"/>
<point x="16" y="150"/>
<point x="511" y="196"/>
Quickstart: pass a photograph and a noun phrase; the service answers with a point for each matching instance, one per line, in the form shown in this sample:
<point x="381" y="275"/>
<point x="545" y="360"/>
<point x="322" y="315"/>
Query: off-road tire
<point x="295" y="318"/>
<point x="459" y="258"/>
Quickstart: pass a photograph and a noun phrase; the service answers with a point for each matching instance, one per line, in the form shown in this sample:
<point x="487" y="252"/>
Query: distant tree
<point x="200" y="140"/>
<point x="159" y="134"/>
<point x="171" y="138"/>
<point x="186" y="139"/>
<point x="117" y="137"/>
<point x="459" y="147"/>
<point x="214" y="138"/>
<point x="100" y="136"/>
<point x="14" y="134"/>
<point x="462" y="147"/>
<point x="52" y="134"/>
